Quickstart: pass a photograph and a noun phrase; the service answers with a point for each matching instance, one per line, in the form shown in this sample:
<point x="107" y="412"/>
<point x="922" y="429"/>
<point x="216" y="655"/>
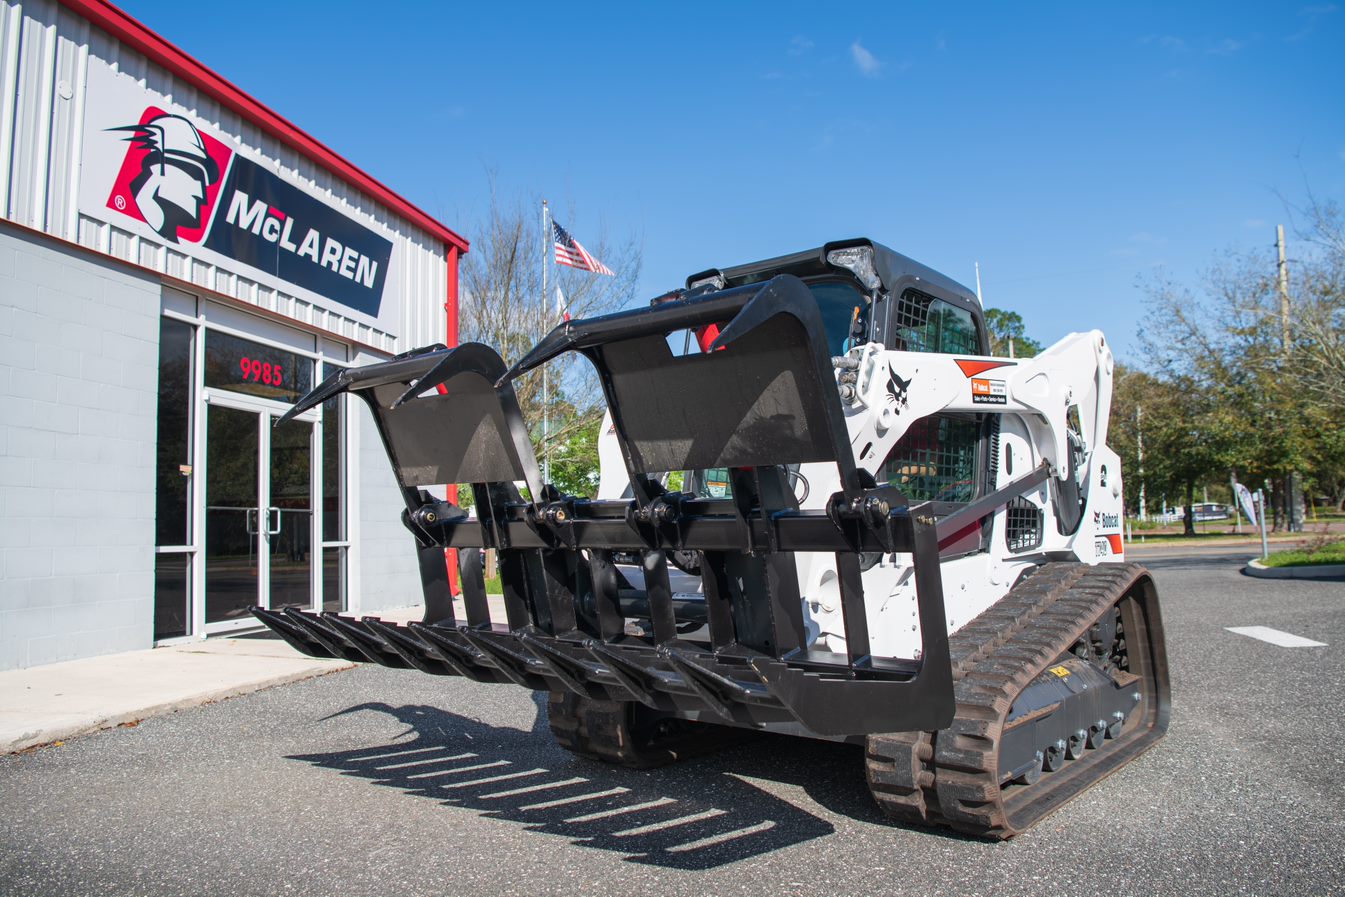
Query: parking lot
<point x="387" y="782"/>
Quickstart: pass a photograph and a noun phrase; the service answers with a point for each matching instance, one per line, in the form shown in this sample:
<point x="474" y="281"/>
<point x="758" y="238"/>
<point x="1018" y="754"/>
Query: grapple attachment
<point x="762" y="398"/>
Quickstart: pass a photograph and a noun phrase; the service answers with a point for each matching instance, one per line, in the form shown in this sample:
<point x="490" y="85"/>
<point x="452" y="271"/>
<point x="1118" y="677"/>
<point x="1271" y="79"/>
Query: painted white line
<point x="1275" y="637"/>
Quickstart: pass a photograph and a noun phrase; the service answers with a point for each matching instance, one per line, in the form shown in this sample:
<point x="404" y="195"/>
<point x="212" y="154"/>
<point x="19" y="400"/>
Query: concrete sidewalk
<point x="49" y="703"/>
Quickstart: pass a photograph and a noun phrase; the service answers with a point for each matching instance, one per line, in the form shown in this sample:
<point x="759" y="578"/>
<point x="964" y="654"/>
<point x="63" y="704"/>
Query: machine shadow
<point x="694" y="815"/>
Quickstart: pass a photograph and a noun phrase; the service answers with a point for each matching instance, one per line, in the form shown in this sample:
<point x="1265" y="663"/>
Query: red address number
<point x="259" y="371"/>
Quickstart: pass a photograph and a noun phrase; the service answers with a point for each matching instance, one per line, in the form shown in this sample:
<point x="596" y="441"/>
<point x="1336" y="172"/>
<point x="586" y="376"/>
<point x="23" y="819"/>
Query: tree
<point x="1185" y="443"/>
<point x="1006" y="328"/>
<point x="502" y="306"/>
<point x="1266" y="409"/>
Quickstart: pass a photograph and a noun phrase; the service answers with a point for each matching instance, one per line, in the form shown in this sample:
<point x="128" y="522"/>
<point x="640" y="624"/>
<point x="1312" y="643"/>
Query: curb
<point x="44" y="735"/>
<point x="1318" y="571"/>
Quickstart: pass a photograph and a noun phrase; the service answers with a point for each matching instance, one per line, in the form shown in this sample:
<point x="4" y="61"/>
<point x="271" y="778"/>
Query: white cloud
<point x="866" y="62"/>
<point x="1254" y="223"/>
<point x="1165" y="41"/>
<point x="799" y="45"/>
<point x="1310" y="16"/>
<point x="1226" y="47"/>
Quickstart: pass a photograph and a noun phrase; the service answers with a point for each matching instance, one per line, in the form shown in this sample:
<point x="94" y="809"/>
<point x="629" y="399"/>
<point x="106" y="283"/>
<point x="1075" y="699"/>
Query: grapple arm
<point x="763" y="397"/>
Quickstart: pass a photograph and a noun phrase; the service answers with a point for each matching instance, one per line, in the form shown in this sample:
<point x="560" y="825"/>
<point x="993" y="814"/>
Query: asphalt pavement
<point x="385" y="782"/>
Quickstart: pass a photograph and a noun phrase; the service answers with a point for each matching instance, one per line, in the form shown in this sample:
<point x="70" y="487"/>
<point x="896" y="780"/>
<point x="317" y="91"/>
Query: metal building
<point x="177" y="264"/>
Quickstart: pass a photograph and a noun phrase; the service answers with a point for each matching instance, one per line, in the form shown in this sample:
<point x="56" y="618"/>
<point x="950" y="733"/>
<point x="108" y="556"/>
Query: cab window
<point x="837" y="301"/>
<point x="921" y="323"/>
<point x="936" y="459"/>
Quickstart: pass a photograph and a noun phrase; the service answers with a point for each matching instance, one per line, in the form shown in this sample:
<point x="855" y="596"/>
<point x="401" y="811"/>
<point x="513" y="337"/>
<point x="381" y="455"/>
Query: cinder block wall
<point x="78" y="389"/>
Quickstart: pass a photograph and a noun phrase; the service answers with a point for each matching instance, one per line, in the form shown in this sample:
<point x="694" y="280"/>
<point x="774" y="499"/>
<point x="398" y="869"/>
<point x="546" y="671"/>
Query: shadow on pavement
<point x="695" y="815"/>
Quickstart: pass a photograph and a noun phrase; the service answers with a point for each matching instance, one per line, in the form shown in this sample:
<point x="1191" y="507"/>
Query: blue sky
<point x="1071" y="149"/>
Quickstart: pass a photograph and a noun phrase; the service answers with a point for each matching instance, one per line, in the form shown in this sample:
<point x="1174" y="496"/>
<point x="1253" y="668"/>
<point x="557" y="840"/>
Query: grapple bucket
<point x="763" y="397"/>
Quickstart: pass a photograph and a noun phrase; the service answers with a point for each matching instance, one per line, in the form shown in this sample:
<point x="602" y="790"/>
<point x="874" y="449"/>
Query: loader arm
<point x="764" y="397"/>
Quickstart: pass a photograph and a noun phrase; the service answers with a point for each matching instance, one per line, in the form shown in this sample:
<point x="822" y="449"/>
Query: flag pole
<point x="546" y="401"/>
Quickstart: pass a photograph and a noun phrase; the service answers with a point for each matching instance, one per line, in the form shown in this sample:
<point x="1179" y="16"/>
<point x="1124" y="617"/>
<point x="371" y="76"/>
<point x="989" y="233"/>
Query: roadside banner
<point x="1245" y="500"/>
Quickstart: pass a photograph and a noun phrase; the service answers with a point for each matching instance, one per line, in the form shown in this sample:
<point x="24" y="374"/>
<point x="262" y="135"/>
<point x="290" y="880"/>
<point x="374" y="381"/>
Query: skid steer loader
<point x="881" y="535"/>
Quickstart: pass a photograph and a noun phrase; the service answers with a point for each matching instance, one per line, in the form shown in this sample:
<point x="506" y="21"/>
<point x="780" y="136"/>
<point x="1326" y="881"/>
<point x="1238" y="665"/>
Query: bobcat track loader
<point x="882" y="535"/>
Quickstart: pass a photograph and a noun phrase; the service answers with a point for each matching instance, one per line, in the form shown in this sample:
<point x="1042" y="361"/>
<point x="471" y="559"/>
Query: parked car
<point x="1208" y="510"/>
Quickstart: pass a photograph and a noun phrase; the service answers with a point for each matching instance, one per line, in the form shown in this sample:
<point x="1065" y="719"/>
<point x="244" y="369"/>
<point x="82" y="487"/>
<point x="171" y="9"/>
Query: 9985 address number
<point x="259" y="371"/>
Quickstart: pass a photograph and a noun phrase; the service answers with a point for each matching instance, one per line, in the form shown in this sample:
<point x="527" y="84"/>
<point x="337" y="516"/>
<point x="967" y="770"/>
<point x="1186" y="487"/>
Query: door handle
<point x="251" y="516"/>
<point x="272" y="523"/>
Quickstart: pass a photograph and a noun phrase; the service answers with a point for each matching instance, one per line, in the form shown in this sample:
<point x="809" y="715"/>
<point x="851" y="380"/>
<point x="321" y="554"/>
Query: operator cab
<point x="870" y="293"/>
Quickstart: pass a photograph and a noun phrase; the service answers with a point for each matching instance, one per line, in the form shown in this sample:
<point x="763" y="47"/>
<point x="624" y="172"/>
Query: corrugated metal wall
<point x="45" y="52"/>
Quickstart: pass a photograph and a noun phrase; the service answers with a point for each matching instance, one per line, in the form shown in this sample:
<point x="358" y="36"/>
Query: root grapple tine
<point x="333" y="641"/>
<point x="709" y="687"/>
<point x="473" y="578"/>
<point x="465" y="658"/>
<point x="413" y="650"/>
<point x="607" y="605"/>
<point x="368" y="640"/>
<point x="569" y="672"/>
<point x="297" y="637"/>
<point x="520" y="670"/>
<point x="635" y="678"/>
<point x="658" y="588"/>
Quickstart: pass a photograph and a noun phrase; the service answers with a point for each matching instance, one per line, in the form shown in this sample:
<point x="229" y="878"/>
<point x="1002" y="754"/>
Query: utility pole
<point x="1139" y="455"/>
<point x="1293" y="511"/>
<point x="546" y="386"/>
<point x="1284" y="289"/>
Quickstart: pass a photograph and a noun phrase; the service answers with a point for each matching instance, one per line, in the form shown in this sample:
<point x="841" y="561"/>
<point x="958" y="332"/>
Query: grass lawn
<point x="1328" y="553"/>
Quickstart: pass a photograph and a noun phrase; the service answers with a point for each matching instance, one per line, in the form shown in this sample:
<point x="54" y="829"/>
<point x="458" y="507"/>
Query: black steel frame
<point x="763" y="397"/>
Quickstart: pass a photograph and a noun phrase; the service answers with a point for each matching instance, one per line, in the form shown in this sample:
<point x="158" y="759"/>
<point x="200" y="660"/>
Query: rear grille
<point x="1022" y="525"/>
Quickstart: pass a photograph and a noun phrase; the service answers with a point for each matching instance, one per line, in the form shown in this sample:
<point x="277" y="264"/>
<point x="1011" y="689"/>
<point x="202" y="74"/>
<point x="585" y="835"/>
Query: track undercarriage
<point x="1042" y="693"/>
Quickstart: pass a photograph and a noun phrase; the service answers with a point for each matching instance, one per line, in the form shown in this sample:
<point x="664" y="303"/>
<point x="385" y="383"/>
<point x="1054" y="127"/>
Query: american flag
<point x="569" y="252"/>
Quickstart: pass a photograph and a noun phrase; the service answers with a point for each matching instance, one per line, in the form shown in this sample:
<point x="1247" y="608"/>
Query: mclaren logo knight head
<point x="176" y="172"/>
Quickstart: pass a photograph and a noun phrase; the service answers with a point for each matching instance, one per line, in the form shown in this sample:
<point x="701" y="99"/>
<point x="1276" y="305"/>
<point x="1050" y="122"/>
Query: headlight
<point x="859" y="261"/>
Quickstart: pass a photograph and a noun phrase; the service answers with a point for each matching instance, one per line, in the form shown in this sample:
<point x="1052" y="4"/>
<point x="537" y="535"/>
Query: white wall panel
<point x="45" y="57"/>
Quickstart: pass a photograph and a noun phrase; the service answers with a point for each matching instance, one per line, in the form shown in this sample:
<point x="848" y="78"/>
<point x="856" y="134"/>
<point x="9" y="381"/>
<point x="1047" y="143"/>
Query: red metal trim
<point x="451" y="299"/>
<point x="973" y="366"/>
<point x="135" y="35"/>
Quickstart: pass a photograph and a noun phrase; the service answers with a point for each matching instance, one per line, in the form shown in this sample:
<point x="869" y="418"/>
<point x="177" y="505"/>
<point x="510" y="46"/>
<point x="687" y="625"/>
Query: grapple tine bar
<point x="658" y="589"/>
<point x="298" y="638"/>
<point x="434" y="584"/>
<point x="852" y="606"/>
<point x="706" y="690"/>
<point x="473" y="579"/>
<point x="568" y="671"/>
<point x="611" y="622"/>
<point x="464" y="657"/>
<point x="368" y="640"/>
<point x="332" y="641"/>
<point x="558" y="577"/>
<point x="718" y="603"/>
<point x="415" y="651"/>
<point x="520" y="670"/>
<point x="634" y="678"/>
<point x="514" y="576"/>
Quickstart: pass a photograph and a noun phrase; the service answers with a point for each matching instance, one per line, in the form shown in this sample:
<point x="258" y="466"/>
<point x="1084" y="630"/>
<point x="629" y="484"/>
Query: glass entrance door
<point x="258" y="514"/>
<point x="289" y="530"/>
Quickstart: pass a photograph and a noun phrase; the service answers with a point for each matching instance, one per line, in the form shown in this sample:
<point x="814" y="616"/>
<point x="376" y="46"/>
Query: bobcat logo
<point x="898" y="390"/>
<point x="170" y="176"/>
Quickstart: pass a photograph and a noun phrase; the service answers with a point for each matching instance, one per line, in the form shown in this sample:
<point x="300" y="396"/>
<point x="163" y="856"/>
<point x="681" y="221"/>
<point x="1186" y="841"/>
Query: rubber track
<point x="951" y="777"/>
<point x="594" y="729"/>
<point x="608" y="731"/>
